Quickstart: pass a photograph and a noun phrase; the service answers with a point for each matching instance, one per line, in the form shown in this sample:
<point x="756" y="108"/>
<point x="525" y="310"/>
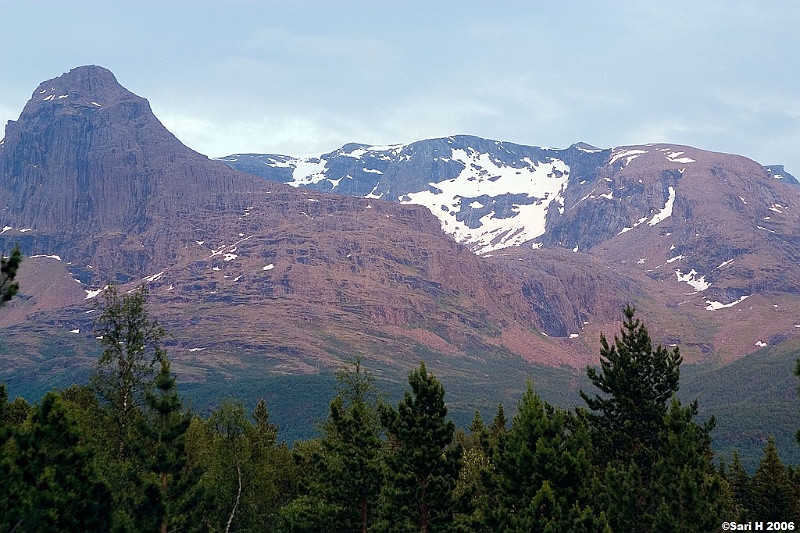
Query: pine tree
<point x="53" y="482"/>
<point x="637" y="382"/>
<point x="422" y="463"/>
<point x="163" y="448"/>
<point x="543" y="469"/>
<point x="771" y="494"/>
<point x="653" y="462"/>
<point x="353" y="465"/>
<point x="689" y="491"/>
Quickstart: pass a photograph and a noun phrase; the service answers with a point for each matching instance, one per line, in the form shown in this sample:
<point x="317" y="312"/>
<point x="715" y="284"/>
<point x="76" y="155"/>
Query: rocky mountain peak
<point x="87" y="158"/>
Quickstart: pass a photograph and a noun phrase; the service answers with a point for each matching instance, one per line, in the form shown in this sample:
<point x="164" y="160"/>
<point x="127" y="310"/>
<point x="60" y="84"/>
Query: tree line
<point x="121" y="453"/>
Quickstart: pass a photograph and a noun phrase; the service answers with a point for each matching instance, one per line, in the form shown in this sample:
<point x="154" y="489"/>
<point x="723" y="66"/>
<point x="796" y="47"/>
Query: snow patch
<point x="56" y="257"/>
<point x="91" y="293"/>
<point x="544" y="184"/>
<point x="698" y="284"/>
<point x="713" y="306"/>
<point x="269" y="267"/>
<point x="154" y="277"/>
<point x="629" y="155"/>
<point x="666" y="212"/>
<point x="674" y="157"/>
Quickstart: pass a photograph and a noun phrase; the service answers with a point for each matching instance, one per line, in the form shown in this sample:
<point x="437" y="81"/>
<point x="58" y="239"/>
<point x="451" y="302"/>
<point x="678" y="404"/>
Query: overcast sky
<point x="303" y="78"/>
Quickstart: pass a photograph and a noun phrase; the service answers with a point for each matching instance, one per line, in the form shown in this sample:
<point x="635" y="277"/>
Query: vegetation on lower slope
<point x="124" y="453"/>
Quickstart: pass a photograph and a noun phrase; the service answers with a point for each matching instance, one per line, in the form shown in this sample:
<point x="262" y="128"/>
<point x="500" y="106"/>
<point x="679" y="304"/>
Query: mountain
<point x="472" y="254"/>
<point x="709" y="236"/>
<point x="244" y="272"/>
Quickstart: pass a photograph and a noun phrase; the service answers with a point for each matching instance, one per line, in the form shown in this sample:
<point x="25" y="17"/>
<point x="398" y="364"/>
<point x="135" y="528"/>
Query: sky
<point x="303" y="78"/>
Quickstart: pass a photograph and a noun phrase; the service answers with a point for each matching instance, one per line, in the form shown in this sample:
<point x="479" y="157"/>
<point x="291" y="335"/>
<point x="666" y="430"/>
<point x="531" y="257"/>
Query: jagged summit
<point x="88" y="159"/>
<point x="79" y="82"/>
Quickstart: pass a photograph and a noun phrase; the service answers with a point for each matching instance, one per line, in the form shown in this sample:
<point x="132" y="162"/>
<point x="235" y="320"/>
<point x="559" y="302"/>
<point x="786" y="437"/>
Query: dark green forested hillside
<point x="612" y="450"/>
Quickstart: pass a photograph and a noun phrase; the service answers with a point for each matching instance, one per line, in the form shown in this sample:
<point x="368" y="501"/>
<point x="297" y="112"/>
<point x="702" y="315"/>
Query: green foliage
<point x="347" y="462"/>
<point x="689" y="493"/>
<point x="637" y="460"/>
<point x="637" y="381"/>
<point x="246" y="478"/>
<point x="653" y="464"/>
<point x="771" y="494"/>
<point x="422" y="463"/>
<point x="131" y="349"/>
<point x="543" y="468"/>
<point x="739" y="483"/>
<point x="50" y="482"/>
<point x="8" y="271"/>
<point x="162" y="451"/>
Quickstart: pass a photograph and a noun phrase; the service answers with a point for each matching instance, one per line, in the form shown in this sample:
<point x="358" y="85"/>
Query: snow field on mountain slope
<point x="545" y="182"/>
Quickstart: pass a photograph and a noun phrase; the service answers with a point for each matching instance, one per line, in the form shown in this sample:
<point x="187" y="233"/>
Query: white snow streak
<point x="666" y="212"/>
<point x="713" y="306"/>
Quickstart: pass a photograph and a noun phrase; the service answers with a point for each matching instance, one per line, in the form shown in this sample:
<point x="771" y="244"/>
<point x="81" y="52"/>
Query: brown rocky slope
<point x="243" y="271"/>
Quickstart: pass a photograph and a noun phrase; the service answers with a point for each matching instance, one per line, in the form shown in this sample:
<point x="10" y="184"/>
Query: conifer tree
<point x="739" y="482"/>
<point x="163" y="448"/>
<point x="637" y="382"/>
<point x="422" y="461"/>
<point x="771" y="495"/>
<point x="543" y="470"/>
<point x="52" y="478"/>
<point x="353" y="465"/>
<point x="689" y="491"/>
<point x="653" y="462"/>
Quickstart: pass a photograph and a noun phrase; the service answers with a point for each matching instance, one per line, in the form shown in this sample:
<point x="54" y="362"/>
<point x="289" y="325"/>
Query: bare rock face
<point x="711" y="230"/>
<point x="237" y="266"/>
<point x="243" y="269"/>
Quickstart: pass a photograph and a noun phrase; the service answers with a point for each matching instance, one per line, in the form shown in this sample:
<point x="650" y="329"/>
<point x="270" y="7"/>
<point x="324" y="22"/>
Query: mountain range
<point x="700" y="234"/>
<point x="494" y="262"/>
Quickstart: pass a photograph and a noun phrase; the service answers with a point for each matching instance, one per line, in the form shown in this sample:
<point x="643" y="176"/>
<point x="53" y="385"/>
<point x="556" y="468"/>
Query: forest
<point x="122" y="453"/>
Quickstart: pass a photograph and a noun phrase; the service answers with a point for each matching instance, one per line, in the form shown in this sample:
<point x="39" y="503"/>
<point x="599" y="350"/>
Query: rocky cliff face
<point x="239" y="266"/>
<point x="243" y="269"/>
<point x="712" y="230"/>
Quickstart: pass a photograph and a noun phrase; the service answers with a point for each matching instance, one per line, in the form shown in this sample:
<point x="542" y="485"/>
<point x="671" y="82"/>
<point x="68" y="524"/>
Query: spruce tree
<point x="771" y="494"/>
<point x="52" y="478"/>
<point x="739" y="482"/>
<point x="543" y="470"/>
<point x="422" y="461"/>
